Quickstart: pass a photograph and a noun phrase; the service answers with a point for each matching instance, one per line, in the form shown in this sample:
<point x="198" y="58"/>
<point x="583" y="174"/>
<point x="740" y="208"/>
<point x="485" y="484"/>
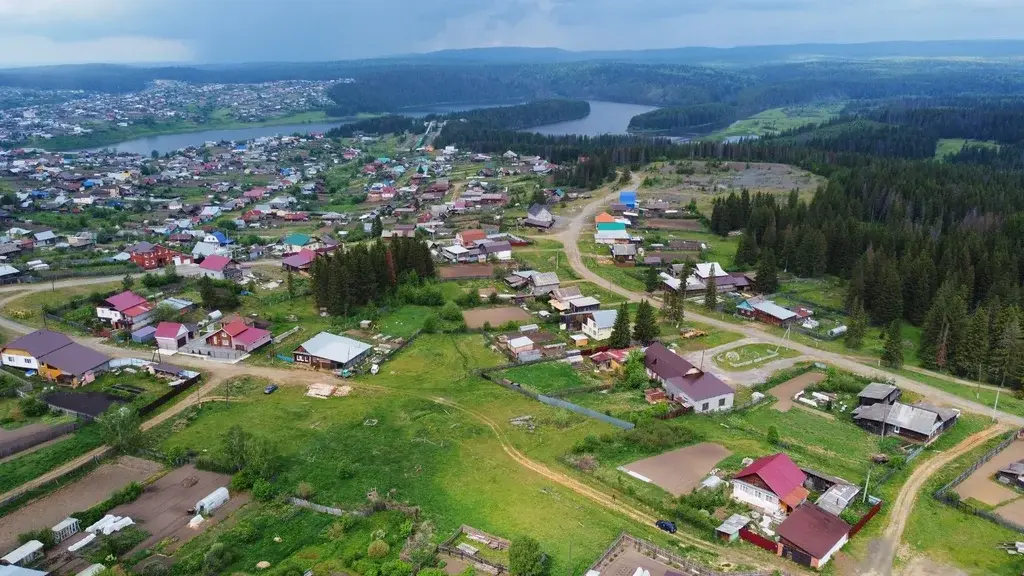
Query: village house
<point x="921" y="422"/>
<point x="297" y="241"/>
<point x="73" y="365"/>
<point x="152" y="256"/>
<point x="685" y="383"/>
<point x="126" y="310"/>
<point x="877" y="392"/>
<point x="173" y="335"/>
<point x="300" y="261"/>
<point x="468" y="238"/>
<point x="237" y="335"/>
<point x="559" y="299"/>
<point x="766" y="311"/>
<point x="811" y="536"/>
<point x="539" y="216"/>
<point x="220" y="268"/>
<point x="599" y="323"/>
<point x="331" y="352"/>
<point x="772" y="484"/>
<point x="24" y="352"/>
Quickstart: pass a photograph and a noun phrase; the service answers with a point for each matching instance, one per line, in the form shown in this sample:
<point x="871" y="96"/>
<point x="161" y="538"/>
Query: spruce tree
<point x="746" y="252"/>
<point x="892" y="352"/>
<point x="645" y="328"/>
<point x="1006" y="343"/>
<point x="767" y="279"/>
<point x="377" y="228"/>
<point x="673" y="307"/>
<point x="620" y="330"/>
<point x="651" y="280"/>
<point x="972" y="355"/>
<point x="858" y="327"/>
<point x="711" y="291"/>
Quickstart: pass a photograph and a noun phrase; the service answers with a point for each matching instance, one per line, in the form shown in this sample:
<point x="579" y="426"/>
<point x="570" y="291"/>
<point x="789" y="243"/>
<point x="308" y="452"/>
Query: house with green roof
<point x="297" y="241"/>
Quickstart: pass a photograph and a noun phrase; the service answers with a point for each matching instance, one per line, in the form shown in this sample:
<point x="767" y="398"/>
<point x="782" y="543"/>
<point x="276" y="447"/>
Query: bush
<point x="262" y="490"/>
<point x="773" y="435"/>
<point x="396" y="568"/>
<point x="451" y="311"/>
<point x="378" y="550"/>
<point x="43" y="535"/>
<point x="33" y="407"/>
<point x="117" y="544"/>
<point x="305" y="490"/>
<point x="487" y="326"/>
<point x="217" y="558"/>
<point x="493" y="298"/>
<point x="430" y="324"/>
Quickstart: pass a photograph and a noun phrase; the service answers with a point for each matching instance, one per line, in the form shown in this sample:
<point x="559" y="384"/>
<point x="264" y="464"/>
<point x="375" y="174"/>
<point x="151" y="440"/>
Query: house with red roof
<point x="126" y="310"/>
<point x="172" y="335"/>
<point x="301" y="261"/>
<point x="151" y="256"/>
<point x="255" y="193"/>
<point x="238" y="335"/>
<point x="469" y="238"/>
<point x="811" y="535"/>
<point x="773" y="484"/>
<point x="220" y="268"/>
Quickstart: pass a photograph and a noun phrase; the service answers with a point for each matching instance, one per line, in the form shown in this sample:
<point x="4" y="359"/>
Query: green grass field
<point x="549" y="377"/>
<point x="628" y="278"/>
<point x="780" y="119"/>
<point x="432" y="455"/>
<point x="951" y="146"/>
<point x="971" y="544"/>
<point x="19" y="470"/>
<point x="752" y="356"/>
<point x="547" y="261"/>
<point x="29" y="308"/>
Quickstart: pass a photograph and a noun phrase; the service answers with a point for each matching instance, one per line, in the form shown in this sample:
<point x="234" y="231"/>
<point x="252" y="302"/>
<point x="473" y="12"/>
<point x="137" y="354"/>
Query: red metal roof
<point x="125" y="300"/>
<point x="251" y="335"/>
<point x="777" y="471"/>
<point x="813" y="530"/>
<point x="137" y="310"/>
<point x="168" y="330"/>
<point x="235" y="328"/>
<point x="215" y="263"/>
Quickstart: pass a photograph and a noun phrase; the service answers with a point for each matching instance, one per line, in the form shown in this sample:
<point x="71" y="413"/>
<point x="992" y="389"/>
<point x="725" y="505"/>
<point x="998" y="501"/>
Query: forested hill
<point x="536" y="113"/>
<point x="505" y="118"/>
<point x="684" y="120"/>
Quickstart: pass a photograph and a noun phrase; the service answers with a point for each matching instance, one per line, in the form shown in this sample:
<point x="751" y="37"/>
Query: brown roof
<point x="813" y="530"/>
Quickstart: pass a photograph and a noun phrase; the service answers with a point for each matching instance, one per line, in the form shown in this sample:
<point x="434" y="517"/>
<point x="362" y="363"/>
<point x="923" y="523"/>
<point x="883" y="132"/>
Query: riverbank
<point x="117" y="135"/>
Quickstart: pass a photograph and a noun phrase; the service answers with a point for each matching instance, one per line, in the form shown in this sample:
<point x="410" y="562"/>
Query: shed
<point x="730" y="529"/>
<point x="213" y="501"/>
<point x="67" y="528"/>
<point x="25" y="554"/>
<point x="144" y="334"/>
<point x="876" y="392"/>
<point x="628" y="197"/>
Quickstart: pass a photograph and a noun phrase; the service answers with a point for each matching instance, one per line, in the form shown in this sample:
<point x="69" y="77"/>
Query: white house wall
<point x="755" y="497"/>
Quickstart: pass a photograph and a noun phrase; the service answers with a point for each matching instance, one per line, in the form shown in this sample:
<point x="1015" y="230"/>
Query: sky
<point x="35" y="32"/>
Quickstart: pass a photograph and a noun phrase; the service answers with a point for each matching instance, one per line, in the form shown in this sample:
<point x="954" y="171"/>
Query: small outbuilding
<point x="330" y="351"/>
<point x="730" y="529"/>
<point x="65" y="529"/>
<point x="24" y="555"/>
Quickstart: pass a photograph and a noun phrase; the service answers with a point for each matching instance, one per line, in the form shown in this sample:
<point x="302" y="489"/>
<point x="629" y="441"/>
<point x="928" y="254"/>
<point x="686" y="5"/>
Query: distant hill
<point x="984" y="49"/>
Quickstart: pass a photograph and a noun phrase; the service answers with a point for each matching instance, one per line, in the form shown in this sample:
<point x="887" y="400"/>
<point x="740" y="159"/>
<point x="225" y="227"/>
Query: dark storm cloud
<point x="44" y="31"/>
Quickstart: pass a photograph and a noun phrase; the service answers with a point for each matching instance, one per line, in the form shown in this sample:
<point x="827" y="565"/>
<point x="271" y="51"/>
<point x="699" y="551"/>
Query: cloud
<point x="23" y="50"/>
<point x="32" y="12"/>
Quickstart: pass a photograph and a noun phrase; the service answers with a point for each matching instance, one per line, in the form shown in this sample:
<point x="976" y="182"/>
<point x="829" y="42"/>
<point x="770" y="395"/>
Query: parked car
<point x="666" y="525"/>
<point x="270" y="389"/>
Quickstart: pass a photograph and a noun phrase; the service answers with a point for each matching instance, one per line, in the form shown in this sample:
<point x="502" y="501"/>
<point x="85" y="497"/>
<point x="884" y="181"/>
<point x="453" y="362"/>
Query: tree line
<point x="681" y="120"/>
<point x="348" y="279"/>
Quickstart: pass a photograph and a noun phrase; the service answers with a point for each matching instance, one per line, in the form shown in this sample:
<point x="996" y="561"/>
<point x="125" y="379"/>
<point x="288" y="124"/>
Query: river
<point x="604" y="118"/>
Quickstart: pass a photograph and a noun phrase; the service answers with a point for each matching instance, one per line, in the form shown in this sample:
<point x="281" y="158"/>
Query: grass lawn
<point x="17" y="471"/>
<point x="780" y="119"/>
<point x="547" y="261"/>
<point x="29" y="308"/>
<point x="751" y="356"/>
<point x="628" y="278"/>
<point x="541" y="244"/>
<point x="971" y="544"/>
<point x="950" y="146"/>
<point x="549" y="377"/>
<point x="1009" y="401"/>
<point x="828" y="292"/>
<point x="715" y="336"/>
<point x="603" y="294"/>
<point x="432" y="455"/>
<point x="12" y="418"/>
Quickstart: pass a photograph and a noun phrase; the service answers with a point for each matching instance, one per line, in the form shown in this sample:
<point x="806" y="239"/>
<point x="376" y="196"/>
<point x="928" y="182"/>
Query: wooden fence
<point x="36" y="438"/>
<point x="865" y="519"/>
<point x="759" y="541"/>
<point x="148" y="408"/>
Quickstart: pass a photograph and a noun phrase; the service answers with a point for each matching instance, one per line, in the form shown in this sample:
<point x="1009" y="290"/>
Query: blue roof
<point x="221" y="238"/>
<point x="627" y="194"/>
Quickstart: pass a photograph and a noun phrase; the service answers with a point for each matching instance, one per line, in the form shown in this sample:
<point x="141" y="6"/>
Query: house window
<point x="721" y="402"/>
<point x="27" y="360"/>
<point x="704" y="406"/>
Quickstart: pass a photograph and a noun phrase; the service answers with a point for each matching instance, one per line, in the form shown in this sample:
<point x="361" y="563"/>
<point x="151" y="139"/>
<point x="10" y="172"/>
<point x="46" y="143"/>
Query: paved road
<point x="583" y="220"/>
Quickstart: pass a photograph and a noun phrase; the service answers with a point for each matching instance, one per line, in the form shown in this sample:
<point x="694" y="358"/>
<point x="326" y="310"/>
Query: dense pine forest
<point x="348" y="279"/>
<point x="683" y="120"/>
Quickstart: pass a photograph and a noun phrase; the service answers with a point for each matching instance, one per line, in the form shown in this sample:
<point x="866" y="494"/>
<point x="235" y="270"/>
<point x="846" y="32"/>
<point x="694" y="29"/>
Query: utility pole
<point x="866" y="482"/>
<point x="995" y="406"/>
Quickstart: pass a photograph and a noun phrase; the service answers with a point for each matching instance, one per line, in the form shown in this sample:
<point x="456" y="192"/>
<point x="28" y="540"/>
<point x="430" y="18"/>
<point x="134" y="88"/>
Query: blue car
<point x="270" y="389"/>
<point x="666" y="525"/>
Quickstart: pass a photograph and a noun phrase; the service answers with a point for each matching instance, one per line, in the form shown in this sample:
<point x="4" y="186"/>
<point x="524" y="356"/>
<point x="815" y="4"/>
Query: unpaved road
<point x="570" y="236"/>
<point x="880" y="563"/>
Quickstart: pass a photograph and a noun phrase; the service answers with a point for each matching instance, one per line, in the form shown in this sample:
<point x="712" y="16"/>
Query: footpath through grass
<point x="391" y="435"/>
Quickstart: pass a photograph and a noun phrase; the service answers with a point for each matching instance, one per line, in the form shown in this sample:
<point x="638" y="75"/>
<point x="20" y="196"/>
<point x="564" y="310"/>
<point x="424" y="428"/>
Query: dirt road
<point x="880" y="562"/>
<point x="570" y="236"/>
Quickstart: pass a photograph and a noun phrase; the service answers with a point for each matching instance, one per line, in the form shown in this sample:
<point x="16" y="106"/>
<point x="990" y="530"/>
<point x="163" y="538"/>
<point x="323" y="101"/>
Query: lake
<point x="604" y="118"/>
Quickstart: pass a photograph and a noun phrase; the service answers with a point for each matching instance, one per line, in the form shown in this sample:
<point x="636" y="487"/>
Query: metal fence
<point x="558" y="402"/>
<point x="943" y="494"/>
<point x="670" y="558"/>
<point x="12" y="447"/>
<point x="148" y="408"/>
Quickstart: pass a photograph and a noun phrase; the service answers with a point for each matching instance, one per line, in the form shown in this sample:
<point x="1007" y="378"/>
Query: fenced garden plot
<point x="551" y="378"/>
<point x="495" y="316"/>
<point x="679" y="471"/>
<point x="752" y="356"/>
